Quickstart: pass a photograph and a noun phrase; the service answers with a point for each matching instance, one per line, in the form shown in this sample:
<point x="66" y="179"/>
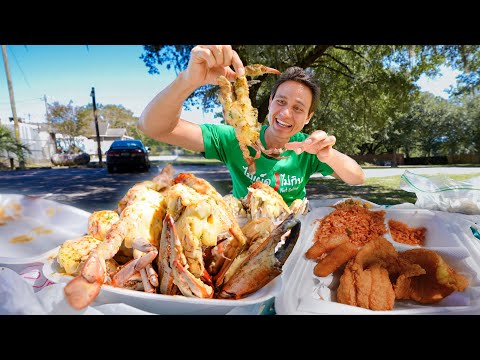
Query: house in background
<point x="107" y="136"/>
<point x="43" y="140"/>
<point x="38" y="137"/>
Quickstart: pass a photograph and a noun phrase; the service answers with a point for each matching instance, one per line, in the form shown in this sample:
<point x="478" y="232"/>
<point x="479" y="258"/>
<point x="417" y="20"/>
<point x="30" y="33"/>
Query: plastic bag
<point x="439" y="192"/>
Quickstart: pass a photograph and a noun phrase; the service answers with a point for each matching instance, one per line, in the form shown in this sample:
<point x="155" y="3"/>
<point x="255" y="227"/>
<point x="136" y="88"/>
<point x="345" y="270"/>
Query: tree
<point x="65" y="120"/>
<point x="9" y="144"/>
<point x="116" y="116"/>
<point x="364" y="87"/>
<point x="468" y="111"/>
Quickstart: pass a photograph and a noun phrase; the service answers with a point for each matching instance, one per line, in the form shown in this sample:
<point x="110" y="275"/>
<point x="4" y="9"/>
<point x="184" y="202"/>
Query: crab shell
<point x="263" y="263"/>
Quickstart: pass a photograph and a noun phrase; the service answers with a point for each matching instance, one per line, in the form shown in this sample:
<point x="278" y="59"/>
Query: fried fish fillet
<point x="368" y="278"/>
<point x="439" y="280"/>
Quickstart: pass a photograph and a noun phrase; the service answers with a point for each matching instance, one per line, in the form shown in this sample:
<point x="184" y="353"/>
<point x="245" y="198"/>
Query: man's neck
<point x="274" y="142"/>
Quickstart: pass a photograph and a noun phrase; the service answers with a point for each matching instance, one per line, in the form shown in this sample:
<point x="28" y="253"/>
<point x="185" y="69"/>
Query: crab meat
<point x="239" y="112"/>
<point x="189" y="231"/>
<point x="262" y="201"/>
<point x="199" y="221"/>
<point x="139" y="228"/>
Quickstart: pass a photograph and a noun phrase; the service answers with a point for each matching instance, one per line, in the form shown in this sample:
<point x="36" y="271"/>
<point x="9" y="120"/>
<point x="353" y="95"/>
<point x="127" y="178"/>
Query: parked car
<point x="127" y="154"/>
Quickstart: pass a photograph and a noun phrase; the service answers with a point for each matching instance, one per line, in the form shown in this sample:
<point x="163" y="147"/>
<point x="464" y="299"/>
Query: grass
<point x="380" y="190"/>
<point x="196" y="160"/>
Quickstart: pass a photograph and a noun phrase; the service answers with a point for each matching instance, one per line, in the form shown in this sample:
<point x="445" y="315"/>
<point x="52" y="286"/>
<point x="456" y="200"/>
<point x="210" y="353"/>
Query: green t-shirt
<point x="287" y="176"/>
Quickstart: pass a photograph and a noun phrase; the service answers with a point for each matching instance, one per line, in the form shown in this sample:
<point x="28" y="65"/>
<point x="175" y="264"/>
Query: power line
<point x="18" y="64"/>
<point x="22" y="101"/>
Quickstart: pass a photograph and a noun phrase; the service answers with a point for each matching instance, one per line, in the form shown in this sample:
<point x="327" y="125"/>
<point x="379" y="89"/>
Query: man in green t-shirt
<point x="293" y="100"/>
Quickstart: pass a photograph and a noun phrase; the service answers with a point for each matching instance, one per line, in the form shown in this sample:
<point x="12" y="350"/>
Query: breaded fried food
<point x="439" y="280"/>
<point x="325" y="245"/>
<point x="369" y="289"/>
<point x="335" y="259"/>
<point x="367" y="279"/>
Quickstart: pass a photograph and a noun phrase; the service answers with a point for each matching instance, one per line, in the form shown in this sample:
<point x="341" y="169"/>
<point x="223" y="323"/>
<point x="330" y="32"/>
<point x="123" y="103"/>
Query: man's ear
<point x="308" y="119"/>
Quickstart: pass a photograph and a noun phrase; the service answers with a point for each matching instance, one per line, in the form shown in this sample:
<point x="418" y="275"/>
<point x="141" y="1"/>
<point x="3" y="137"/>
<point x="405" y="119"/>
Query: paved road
<point x="91" y="189"/>
<point x="95" y="189"/>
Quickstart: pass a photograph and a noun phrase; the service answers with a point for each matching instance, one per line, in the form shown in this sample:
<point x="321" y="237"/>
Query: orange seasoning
<point x="40" y="230"/>
<point x="403" y="234"/>
<point x="21" y="239"/>
<point x="357" y="222"/>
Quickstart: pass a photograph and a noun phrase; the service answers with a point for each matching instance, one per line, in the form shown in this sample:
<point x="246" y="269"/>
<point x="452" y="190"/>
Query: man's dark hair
<point x="305" y="77"/>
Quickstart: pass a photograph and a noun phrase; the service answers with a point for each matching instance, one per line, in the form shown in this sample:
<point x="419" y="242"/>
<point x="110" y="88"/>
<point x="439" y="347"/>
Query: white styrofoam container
<point x="167" y="304"/>
<point x="42" y="224"/>
<point x="303" y="293"/>
<point x="62" y="222"/>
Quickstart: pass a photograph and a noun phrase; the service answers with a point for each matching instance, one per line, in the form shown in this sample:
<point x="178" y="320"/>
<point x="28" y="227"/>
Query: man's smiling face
<point x="288" y="110"/>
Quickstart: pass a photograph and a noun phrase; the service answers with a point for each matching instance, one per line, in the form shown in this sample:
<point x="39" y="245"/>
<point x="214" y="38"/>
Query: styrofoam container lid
<point x="303" y="293"/>
<point x="30" y="227"/>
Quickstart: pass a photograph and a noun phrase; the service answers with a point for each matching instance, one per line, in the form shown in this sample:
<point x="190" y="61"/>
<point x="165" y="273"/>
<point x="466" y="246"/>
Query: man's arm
<point x="321" y="144"/>
<point x="161" y="117"/>
<point x="345" y="168"/>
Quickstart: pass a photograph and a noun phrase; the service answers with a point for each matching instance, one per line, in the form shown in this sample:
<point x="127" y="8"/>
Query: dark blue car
<point x="127" y="155"/>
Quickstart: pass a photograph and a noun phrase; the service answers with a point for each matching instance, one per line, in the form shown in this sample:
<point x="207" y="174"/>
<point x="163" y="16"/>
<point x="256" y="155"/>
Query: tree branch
<point x="337" y="71"/>
<point x="351" y="50"/>
<point x="313" y="55"/>
<point x="339" y="63"/>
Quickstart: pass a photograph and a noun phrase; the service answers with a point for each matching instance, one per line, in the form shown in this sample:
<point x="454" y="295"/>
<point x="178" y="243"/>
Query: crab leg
<point x="231" y="251"/>
<point x="83" y="289"/>
<point x="218" y="255"/>
<point x="188" y="284"/>
<point x="144" y="254"/>
<point x="167" y="285"/>
<point x="226" y="96"/>
<point x="239" y="112"/>
<point x="147" y="287"/>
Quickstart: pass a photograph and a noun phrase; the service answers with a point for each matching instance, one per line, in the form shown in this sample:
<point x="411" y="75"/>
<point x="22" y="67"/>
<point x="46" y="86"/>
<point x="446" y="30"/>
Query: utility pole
<point x="12" y="101"/>
<point x="46" y="107"/>
<point x="51" y="130"/>
<point x="92" y="94"/>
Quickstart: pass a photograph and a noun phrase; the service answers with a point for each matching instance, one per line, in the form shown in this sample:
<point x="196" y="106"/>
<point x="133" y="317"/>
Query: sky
<point x="67" y="73"/>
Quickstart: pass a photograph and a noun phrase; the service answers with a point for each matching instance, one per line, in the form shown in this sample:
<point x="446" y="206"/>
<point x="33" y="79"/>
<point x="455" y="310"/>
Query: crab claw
<point x="262" y="263"/>
<point x="258" y="69"/>
<point x="83" y="289"/>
